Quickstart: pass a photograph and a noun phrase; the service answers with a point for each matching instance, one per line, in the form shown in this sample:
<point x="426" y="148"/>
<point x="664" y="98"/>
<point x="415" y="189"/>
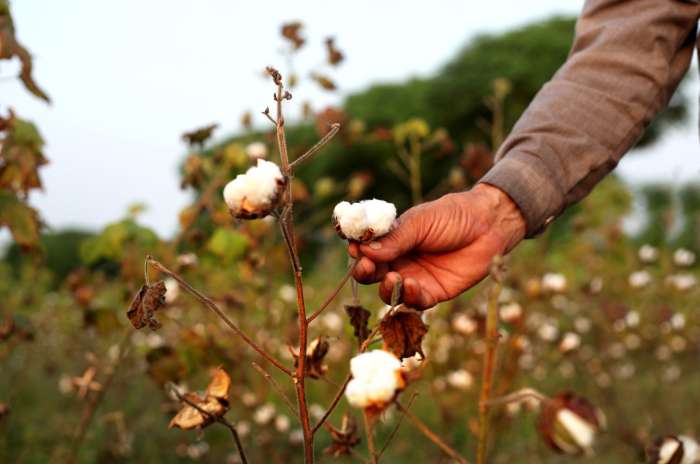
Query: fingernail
<point x="375" y="245"/>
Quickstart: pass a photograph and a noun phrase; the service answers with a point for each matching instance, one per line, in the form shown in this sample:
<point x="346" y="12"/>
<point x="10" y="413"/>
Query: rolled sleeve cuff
<point x="528" y="182"/>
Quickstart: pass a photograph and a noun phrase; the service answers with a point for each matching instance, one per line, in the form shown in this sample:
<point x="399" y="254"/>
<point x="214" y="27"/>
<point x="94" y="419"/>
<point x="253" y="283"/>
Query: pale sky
<point x="128" y="77"/>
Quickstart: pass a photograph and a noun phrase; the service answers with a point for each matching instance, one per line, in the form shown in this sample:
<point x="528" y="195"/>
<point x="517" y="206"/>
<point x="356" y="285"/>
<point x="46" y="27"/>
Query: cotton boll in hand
<point x="364" y="221"/>
<point x="256" y="193"/>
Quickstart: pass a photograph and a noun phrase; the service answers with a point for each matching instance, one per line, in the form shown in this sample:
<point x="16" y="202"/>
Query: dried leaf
<point x="316" y="351"/>
<point x="199" y="136"/>
<point x="10" y="47"/>
<point x="344" y="439"/>
<point x="335" y="56"/>
<point x="325" y="82"/>
<point x="291" y="31"/>
<point x="146" y="302"/>
<point x="219" y="385"/>
<point x="359" y="319"/>
<point x="214" y="402"/>
<point x="403" y="333"/>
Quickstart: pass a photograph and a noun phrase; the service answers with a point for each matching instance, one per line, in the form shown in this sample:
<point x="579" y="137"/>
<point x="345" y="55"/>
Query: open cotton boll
<point x="380" y="216"/>
<point x="679" y="449"/>
<point x="350" y="219"/>
<point x="365" y="220"/>
<point x="255" y="194"/>
<point x="376" y="379"/>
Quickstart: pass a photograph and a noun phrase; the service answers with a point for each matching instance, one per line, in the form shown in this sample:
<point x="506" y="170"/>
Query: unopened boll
<point x="365" y="220"/>
<point x="256" y="193"/>
<point x="376" y="377"/>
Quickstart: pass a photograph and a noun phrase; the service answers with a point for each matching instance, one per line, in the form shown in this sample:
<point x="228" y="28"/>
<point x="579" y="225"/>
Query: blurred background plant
<point x="619" y="325"/>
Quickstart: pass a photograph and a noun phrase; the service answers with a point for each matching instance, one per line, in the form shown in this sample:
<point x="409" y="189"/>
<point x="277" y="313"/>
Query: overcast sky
<point x="128" y="77"/>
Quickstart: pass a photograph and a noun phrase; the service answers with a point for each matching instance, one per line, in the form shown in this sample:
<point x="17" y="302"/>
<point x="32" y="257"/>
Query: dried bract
<point x="214" y="403"/>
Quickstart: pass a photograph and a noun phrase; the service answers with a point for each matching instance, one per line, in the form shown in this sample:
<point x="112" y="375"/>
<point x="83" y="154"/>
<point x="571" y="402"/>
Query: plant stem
<point x="369" y="431"/>
<point x="335" y="127"/>
<point x="334" y="293"/>
<point x="94" y="403"/>
<point x="277" y="387"/>
<point x="334" y="403"/>
<point x="287" y="227"/>
<point x="214" y="307"/>
<point x="518" y="396"/>
<point x="220" y="419"/>
<point x="489" y="359"/>
<point x="396" y="428"/>
<point x="430" y="434"/>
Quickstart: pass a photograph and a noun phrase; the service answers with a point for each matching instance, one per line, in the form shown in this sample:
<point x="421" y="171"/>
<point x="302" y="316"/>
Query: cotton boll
<point x="554" y="282"/>
<point x="255" y="194"/>
<point x="172" y="290"/>
<point x="683" y="257"/>
<point x="380" y="216"/>
<point x="351" y="220"/>
<point x="648" y="254"/>
<point x="365" y="220"/>
<point x="679" y="449"/>
<point x="376" y="378"/>
<point x="256" y="150"/>
<point x="639" y="279"/>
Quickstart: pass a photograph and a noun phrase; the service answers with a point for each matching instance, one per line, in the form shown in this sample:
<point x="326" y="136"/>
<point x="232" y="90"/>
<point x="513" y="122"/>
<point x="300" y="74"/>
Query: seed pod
<point x="569" y="423"/>
<point x="673" y="449"/>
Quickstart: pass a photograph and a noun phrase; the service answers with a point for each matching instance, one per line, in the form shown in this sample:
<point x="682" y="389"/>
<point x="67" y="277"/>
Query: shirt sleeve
<point x="627" y="59"/>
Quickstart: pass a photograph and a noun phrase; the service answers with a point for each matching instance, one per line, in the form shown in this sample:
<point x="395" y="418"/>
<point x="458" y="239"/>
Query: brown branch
<point x="334" y="293"/>
<point x="430" y="434"/>
<point x="220" y="419"/>
<point x="215" y="308"/>
<point x="334" y="403"/>
<point x="489" y="360"/>
<point x="287" y="227"/>
<point x="335" y="127"/>
<point x="277" y="387"/>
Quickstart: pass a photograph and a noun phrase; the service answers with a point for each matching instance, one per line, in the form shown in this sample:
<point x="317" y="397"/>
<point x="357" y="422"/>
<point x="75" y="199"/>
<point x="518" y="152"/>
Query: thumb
<point x="403" y="237"/>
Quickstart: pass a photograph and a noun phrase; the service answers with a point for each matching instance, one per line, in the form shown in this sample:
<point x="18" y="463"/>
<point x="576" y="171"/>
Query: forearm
<point x="627" y="60"/>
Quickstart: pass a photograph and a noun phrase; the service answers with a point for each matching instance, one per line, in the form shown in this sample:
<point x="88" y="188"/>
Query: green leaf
<point x="227" y="244"/>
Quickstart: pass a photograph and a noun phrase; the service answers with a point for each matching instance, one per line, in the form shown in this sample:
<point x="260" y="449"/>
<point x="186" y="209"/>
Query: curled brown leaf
<point x="146" y="302"/>
<point x="403" y="333"/>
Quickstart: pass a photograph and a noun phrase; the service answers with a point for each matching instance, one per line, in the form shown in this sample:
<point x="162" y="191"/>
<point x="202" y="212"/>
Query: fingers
<point x="368" y="272"/>
<point x="402" y="239"/>
<point x="415" y="296"/>
<point x="412" y="294"/>
<point x="386" y="287"/>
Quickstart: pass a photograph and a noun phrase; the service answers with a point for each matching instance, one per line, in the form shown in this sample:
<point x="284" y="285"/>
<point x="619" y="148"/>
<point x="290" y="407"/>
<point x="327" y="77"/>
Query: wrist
<point x="505" y="220"/>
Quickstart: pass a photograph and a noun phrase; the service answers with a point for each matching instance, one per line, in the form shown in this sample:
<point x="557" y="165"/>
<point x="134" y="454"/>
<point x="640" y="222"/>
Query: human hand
<point x="441" y="248"/>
